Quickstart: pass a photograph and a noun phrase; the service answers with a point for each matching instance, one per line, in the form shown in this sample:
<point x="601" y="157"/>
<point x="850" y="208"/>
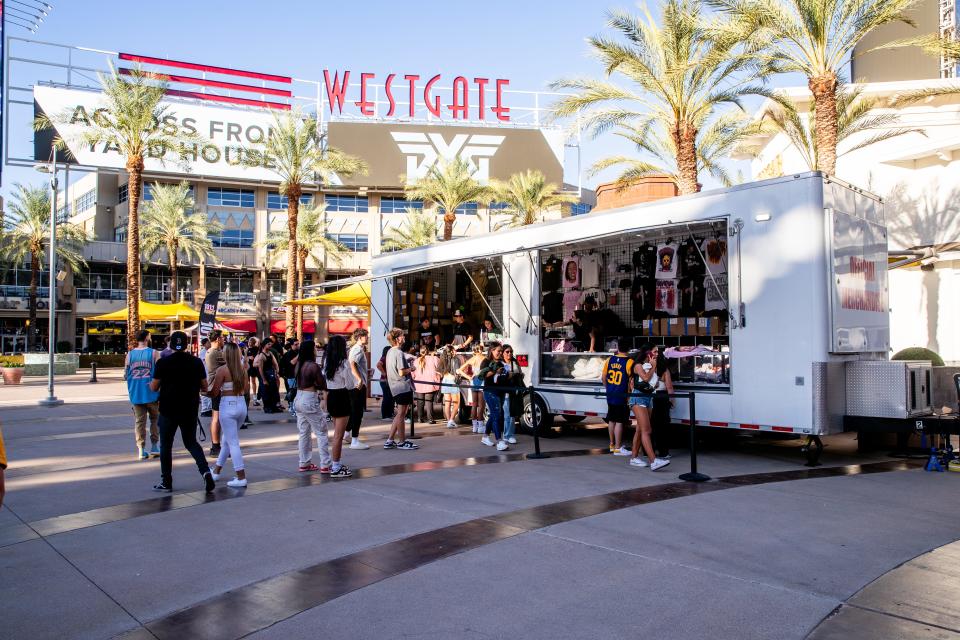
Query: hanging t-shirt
<point x="551" y="273"/>
<point x="599" y="296"/>
<point x="590" y="270"/>
<point x="666" y="261"/>
<point x="571" y="272"/>
<point x="714" y="301"/>
<point x="666" y="297"/>
<point x="571" y="302"/>
<point x="689" y="258"/>
<point x="642" y="297"/>
<point x="645" y="260"/>
<point x="690" y="292"/>
<point x="715" y="251"/>
<point x="553" y="307"/>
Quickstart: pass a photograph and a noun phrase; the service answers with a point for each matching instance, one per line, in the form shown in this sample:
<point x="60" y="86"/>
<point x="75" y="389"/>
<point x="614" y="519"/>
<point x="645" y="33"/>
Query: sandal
<point x="309" y="467"/>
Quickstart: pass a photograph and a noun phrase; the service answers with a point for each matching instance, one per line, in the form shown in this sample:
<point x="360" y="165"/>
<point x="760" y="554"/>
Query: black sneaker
<point x="409" y="446"/>
<point x="342" y="472"/>
<point x="162" y="487"/>
<point x="208" y="484"/>
<point x="214" y="449"/>
<point x="389" y="444"/>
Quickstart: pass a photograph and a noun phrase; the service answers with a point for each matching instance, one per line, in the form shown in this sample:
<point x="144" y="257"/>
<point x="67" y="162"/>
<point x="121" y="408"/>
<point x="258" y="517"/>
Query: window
<point x="496" y="207"/>
<point x="122" y="194"/>
<point x="222" y="197"/>
<point x="466" y="209"/>
<point x="580" y="208"/>
<point x="15" y="280"/>
<point x="357" y="204"/>
<point x="86" y="201"/>
<point x="148" y="192"/>
<point x="399" y="205"/>
<point x="352" y="241"/>
<point x="277" y="201"/>
<point x="63" y="213"/>
<point x="237" y="229"/>
<point x="120" y="233"/>
<point x="103" y="282"/>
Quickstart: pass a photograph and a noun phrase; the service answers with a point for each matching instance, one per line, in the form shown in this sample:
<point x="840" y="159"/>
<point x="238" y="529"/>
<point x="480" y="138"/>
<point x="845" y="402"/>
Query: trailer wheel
<point x="526" y="420"/>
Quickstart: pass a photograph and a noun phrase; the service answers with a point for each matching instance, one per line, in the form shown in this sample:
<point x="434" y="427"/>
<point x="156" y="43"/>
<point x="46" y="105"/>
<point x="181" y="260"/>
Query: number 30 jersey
<point x="616" y="379"/>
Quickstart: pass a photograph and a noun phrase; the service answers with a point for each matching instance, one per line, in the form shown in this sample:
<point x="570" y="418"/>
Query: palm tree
<point x="133" y="107"/>
<point x="681" y="76"/>
<point x="313" y="243"/>
<point x="855" y="115"/>
<point x="813" y="38"/>
<point x="26" y="233"/>
<point x="169" y="223"/>
<point x="449" y="185"/>
<point x="527" y="195"/>
<point x="947" y="49"/>
<point x="418" y="230"/>
<point x="300" y="158"/>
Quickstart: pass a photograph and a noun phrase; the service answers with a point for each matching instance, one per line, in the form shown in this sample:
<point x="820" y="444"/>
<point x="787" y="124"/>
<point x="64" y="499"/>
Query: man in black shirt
<point x="287" y="363"/>
<point x="180" y="378"/>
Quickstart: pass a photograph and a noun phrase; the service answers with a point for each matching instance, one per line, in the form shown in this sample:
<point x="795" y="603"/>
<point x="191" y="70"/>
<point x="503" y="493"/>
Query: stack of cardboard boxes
<point x="418" y="298"/>
<point x="675" y="327"/>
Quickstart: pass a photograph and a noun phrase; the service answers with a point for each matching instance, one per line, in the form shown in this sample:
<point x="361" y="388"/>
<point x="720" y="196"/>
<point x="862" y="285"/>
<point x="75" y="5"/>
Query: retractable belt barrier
<point x="692" y="476"/>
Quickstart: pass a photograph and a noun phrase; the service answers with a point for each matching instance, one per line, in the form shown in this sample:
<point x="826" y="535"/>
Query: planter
<point x="36" y="364"/>
<point x="12" y="375"/>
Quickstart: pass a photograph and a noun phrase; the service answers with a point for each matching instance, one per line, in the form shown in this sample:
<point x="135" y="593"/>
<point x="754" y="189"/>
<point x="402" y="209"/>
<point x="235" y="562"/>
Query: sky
<point x="532" y="43"/>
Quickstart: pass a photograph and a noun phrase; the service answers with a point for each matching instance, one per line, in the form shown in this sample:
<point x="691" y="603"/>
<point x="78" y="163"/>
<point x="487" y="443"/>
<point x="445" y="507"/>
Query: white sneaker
<point x="477" y="427"/>
<point x="502" y="446"/>
<point x="638" y="462"/>
<point x="659" y="463"/>
<point x="512" y="440"/>
<point x="237" y="482"/>
<point x="487" y="441"/>
<point x="451" y="424"/>
<point x="215" y="476"/>
<point x="356" y="444"/>
<point x="623" y="451"/>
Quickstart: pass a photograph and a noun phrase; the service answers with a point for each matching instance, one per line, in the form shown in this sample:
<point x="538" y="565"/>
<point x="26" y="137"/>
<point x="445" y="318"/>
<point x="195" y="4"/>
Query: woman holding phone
<point x="643" y="382"/>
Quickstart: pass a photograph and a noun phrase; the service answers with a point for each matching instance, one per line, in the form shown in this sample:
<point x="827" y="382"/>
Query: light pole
<point x="51" y="400"/>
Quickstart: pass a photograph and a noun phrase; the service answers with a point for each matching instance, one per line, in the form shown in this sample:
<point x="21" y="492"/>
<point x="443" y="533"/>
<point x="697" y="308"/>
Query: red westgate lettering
<point x="338" y="92"/>
<point x="366" y="107"/>
<point x="503" y="113"/>
<point x="481" y="89"/>
<point x="434" y="107"/>
<point x="412" y="79"/>
<point x="386" y="87"/>
<point x="461" y="98"/>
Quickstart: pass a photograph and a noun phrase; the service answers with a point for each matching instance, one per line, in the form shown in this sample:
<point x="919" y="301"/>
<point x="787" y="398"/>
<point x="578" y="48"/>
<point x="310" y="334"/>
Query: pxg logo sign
<point x="423" y="150"/>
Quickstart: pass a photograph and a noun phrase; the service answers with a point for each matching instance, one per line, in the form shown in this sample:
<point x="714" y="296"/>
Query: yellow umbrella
<point x="150" y="311"/>
<point x="357" y="295"/>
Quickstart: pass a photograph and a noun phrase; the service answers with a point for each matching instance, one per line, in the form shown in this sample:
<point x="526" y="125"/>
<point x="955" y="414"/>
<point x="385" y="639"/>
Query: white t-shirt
<point x="358" y="356"/>
<point x="590" y="271"/>
<point x="666" y="261"/>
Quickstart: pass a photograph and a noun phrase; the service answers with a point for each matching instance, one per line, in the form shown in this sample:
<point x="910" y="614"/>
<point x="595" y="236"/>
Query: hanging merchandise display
<point x="714" y="300"/>
<point x="688" y="257"/>
<point x="553" y="307"/>
<point x="667" y="261"/>
<point x="715" y="251"/>
<point x="642" y="294"/>
<point x="691" y="296"/>
<point x="666" y="297"/>
<point x="550" y="280"/>
<point x="645" y="260"/>
<point x="571" y="272"/>
<point x="571" y="302"/>
<point x="590" y="266"/>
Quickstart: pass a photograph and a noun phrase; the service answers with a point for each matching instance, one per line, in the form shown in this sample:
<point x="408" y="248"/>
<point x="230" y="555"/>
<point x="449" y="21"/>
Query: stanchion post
<point x="93" y="372"/>
<point x="535" y="416"/>
<point x="694" y="475"/>
<point x="413" y="434"/>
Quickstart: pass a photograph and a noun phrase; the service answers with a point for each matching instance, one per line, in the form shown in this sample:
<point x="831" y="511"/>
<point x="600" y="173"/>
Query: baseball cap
<point x="458" y="313"/>
<point x="179" y="341"/>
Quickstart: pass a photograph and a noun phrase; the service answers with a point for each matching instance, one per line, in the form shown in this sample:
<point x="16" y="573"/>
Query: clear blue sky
<point x="531" y="43"/>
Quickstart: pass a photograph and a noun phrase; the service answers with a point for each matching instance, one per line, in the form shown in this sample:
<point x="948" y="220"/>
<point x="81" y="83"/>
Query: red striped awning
<point x="280" y="326"/>
<point x="345" y="325"/>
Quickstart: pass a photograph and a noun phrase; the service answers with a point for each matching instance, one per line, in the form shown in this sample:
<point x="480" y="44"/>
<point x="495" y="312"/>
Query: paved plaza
<point x="457" y="541"/>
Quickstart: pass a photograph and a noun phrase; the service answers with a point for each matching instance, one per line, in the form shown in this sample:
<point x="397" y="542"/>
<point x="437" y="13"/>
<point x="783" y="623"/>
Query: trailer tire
<point x="546" y="418"/>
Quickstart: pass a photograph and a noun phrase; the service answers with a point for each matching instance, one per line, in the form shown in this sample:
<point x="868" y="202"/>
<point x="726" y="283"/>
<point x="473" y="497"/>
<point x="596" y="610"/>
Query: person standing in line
<point x="643" y="382"/>
<point x="471" y="371"/>
<point x="449" y="389"/>
<point x="138" y="372"/>
<point x="340" y="380"/>
<point x="616" y="382"/>
<point x="180" y="379"/>
<point x="513" y="400"/>
<point x="662" y="403"/>
<point x="230" y="384"/>
<point x="401" y="388"/>
<point x="358" y="394"/>
<point x="214" y="361"/>
<point x="493" y="376"/>
<point x="3" y="469"/>
<point x="206" y="406"/>
<point x="386" y="401"/>
<point x="287" y="363"/>
<point x="267" y="364"/>
<point x="311" y="417"/>
<point x="166" y="348"/>
<point x="252" y="372"/>
<point x="425" y="376"/>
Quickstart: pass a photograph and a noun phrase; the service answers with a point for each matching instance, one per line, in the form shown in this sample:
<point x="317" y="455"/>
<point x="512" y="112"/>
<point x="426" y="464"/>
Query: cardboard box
<point x="670" y="327"/>
<point x="649" y="327"/>
<point x="689" y="326"/>
<point x="712" y="327"/>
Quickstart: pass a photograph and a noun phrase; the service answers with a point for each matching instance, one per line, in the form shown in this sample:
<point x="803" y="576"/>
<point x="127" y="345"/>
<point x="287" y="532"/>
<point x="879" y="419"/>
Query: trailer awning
<point x="400" y="272"/>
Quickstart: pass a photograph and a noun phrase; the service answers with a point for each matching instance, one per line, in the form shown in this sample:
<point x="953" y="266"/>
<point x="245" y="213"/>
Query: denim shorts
<point x="641" y="401"/>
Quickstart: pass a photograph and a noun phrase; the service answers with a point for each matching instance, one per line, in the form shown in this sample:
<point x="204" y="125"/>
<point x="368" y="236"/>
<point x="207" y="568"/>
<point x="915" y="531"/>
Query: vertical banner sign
<point x="208" y="313"/>
<point x="3" y="79"/>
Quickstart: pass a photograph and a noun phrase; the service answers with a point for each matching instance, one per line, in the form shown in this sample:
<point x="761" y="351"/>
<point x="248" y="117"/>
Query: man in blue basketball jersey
<point x="616" y="382"/>
<point x="138" y="372"/>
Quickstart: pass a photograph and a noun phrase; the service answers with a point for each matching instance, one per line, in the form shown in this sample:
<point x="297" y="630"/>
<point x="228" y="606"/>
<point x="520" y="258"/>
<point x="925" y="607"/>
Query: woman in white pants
<point x="311" y="417"/>
<point x="231" y="383"/>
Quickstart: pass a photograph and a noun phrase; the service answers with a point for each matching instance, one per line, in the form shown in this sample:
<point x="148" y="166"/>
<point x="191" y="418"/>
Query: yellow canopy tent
<point x="152" y="312"/>
<point x="357" y="295"/>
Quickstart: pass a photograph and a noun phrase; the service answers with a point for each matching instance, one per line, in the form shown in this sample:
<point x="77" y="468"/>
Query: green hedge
<point x="918" y="353"/>
<point x="102" y="359"/>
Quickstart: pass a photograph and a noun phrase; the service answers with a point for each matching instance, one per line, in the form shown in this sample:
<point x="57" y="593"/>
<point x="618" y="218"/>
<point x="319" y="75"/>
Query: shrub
<point x="102" y="359"/>
<point x="11" y="361"/>
<point x="918" y="353"/>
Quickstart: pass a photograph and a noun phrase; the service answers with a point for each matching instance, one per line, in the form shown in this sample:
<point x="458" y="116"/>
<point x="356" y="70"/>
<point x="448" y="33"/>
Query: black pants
<point x="386" y="405"/>
<point x="358" y="402"/>
<point x="660" y="421"/>
<point x="423" y="401"/>
<point x="188" y="433"/>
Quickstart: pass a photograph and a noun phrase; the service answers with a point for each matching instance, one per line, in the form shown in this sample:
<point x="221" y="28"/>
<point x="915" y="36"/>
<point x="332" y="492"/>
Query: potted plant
<point x="12" y="368"/>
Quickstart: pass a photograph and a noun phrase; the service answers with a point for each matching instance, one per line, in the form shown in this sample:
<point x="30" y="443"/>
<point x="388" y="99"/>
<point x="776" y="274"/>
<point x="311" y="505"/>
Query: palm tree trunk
<point x="32" y="299"/>
<point x="824" y="90"/>
<point x="172" y="259"/>
<point x="134" y="173"/>
<point x="685" y="138"/>
<point x="293" y="210"/>
<point x="448" y="220"/>
<point x="301" y="271"/>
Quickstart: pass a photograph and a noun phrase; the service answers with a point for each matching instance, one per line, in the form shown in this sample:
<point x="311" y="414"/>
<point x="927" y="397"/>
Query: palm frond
<point x="418" y="230"/>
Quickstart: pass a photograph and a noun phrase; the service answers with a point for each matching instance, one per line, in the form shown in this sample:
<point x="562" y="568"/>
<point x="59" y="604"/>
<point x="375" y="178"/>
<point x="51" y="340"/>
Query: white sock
<point x="336" y="466"/>
<point x="354" y="440"/>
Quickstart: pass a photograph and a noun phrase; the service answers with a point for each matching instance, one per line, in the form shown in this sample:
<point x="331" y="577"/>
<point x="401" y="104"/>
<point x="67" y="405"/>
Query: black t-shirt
<point x="690" y="262"/>
<point x="551" y="274"/>
<point x="642" y="294"/>
<point x="553" y="307"/>
<point x="286" y="363"/>
<point x="180" y="375"/>
<point x="692" y="296"/>
<point x="464" y="330"/>
<point x="645" y="261"/>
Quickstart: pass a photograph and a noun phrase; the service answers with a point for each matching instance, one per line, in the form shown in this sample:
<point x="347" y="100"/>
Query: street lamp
<point x="51" y="400"/>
